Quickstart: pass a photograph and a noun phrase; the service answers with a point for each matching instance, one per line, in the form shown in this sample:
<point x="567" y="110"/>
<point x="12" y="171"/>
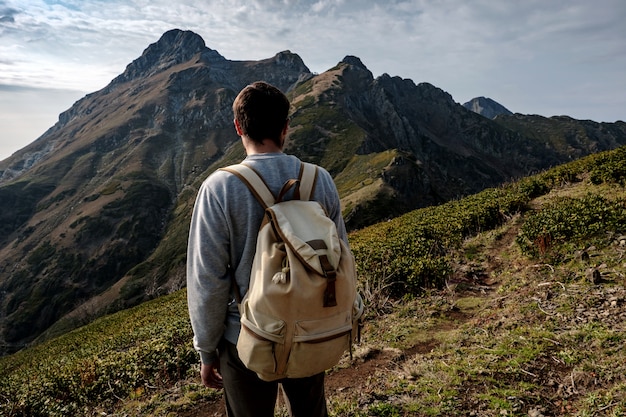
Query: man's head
<point x="261" y="112"/>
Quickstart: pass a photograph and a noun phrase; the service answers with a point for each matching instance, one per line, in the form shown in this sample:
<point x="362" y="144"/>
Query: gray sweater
<point x="223" y="232"/>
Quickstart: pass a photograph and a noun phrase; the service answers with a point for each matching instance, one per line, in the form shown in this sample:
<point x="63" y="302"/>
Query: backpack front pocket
<point x="317" y="346"/>
<point x="258" y="341"/>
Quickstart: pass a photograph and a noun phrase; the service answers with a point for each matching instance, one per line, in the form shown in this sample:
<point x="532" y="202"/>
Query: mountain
<point x="486" y="107"/>
<point x="94" y="214"/>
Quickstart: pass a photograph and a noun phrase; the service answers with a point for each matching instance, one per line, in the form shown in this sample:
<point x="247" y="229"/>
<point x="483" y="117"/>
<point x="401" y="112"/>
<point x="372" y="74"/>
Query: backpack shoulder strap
<point x="254" y="182"/>
<point x="308" y="180"/>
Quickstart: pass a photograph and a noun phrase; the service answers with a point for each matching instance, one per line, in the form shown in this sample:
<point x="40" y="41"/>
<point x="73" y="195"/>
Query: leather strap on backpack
<point x="330" y="296"/>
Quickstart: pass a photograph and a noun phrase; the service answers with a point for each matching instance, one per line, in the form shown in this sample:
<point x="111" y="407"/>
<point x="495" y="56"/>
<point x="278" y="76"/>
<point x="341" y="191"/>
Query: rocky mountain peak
<point x="356" y="76"/>
<point x="486" y="107"/>
<point x="174" y="47"/>
<point x="289" y="59"/>
<point x="354" y="61"/>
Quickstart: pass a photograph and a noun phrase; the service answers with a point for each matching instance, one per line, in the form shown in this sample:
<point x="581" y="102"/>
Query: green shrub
<point x="409" y="254"/>
<point x="609" y="167"/>
<point x="570" y="219"/>
<point x="114" y="358"/>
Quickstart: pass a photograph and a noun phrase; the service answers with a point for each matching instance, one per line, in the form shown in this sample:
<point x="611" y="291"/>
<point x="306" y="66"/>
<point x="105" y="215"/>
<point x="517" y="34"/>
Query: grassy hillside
<point x="508" y="302"/>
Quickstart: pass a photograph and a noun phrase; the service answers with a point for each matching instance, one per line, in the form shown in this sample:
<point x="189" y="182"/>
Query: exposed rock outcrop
<point x="486" y="107"/>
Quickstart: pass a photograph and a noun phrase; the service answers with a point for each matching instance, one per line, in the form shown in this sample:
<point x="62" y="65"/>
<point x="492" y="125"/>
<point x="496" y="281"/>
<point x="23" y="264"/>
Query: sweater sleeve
<point x="208" y="279"/>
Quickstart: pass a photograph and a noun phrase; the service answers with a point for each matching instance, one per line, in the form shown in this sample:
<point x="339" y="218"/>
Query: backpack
<point x="301" y="311"/>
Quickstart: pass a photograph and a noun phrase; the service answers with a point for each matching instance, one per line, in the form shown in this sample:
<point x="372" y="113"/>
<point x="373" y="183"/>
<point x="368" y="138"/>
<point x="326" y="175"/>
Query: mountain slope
<point x="94" y="214"/>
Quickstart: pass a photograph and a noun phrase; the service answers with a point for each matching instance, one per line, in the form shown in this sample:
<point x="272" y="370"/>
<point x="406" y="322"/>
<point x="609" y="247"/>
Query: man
<point x="222" y="242"/>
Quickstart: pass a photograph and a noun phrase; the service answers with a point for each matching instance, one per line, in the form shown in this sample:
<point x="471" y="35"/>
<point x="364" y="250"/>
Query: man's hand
<point x="210" y="375"/>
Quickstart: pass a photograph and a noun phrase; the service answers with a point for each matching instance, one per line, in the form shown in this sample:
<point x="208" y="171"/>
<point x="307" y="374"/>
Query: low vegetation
<point x="511" y="302"/>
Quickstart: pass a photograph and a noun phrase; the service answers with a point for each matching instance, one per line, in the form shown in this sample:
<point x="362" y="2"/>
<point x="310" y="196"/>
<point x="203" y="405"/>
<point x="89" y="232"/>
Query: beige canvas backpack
<point x="302" y="311"/>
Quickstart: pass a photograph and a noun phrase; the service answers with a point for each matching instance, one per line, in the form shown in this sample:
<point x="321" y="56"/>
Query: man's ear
<point x="286" y="128"/>
<point x="238" y="128"/>
<point x="283" y="134"/>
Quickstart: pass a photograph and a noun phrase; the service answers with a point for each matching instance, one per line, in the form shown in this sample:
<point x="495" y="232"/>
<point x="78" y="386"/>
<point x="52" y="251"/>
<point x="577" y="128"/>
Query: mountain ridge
<point x="99" y="205"/>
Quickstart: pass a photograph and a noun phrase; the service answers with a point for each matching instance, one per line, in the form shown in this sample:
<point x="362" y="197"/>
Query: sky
<point x="546" y="57"/>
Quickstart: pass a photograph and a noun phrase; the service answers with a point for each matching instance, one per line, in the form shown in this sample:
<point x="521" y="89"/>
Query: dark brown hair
<point x="262" y="111"/>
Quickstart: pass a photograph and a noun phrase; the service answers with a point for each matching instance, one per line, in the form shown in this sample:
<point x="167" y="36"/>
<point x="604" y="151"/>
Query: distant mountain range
<point x="94" y="214"/>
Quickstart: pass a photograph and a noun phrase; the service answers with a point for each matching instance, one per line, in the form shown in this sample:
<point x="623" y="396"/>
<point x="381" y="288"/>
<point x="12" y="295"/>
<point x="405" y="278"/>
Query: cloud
<point x="7" y="14"/>
<point x="6" y="19"/>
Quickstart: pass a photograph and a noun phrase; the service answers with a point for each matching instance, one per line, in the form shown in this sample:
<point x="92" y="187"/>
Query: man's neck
<point x="254" y="148"/>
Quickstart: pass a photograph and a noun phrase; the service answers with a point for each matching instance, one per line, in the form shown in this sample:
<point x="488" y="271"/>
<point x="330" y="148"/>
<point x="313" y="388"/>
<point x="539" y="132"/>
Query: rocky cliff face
<point x="94" y="214"/>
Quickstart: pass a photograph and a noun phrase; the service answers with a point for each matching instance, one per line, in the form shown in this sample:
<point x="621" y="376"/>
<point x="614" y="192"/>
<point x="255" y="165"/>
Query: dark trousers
<point x="246" y="395"/>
